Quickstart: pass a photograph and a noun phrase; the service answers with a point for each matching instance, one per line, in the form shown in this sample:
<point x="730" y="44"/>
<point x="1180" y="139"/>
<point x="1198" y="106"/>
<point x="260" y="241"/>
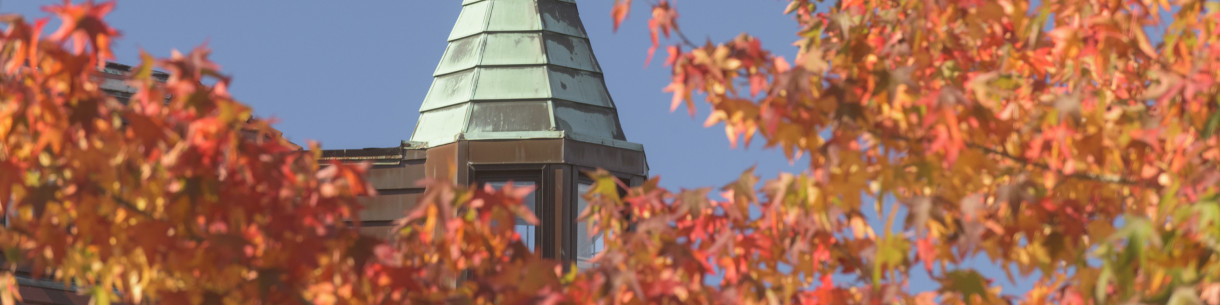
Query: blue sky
<point x="352" y="74"/>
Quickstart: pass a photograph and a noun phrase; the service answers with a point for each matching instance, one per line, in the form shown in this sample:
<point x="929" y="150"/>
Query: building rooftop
<point x="519" y="69"/>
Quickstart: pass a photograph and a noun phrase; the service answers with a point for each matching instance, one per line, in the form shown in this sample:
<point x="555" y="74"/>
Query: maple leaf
<point x="971" y="208"/>
<point x="919" y="211"/>
<point x="619" y="12"/>
<point x="663" y="21"/>
<point x="24" y="54"/>
<point x="1046" y="122"/>
<point x="969" y="284"/>
<point x="926" y="252"/>
<point x="83" y="23"/>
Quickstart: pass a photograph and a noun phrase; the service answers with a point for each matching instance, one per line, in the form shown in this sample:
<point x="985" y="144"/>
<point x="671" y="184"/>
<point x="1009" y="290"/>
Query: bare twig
<point x="1043" y="166"/>
<point x="1084" y="176"/>
<point x="678" y="31"/>
<point x="685" y="41"/>
<point x="132" y="207"/>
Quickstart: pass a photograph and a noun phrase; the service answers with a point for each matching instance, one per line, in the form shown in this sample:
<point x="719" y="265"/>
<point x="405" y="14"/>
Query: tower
<point x="517" y="96"/>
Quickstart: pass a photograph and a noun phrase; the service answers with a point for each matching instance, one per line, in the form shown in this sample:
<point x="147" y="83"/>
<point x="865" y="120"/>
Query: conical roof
<point x="519" y="69"/>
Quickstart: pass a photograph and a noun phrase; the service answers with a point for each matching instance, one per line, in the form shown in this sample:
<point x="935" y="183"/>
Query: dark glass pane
<point x="586" y="246"/>
<point x="528" y="232"/>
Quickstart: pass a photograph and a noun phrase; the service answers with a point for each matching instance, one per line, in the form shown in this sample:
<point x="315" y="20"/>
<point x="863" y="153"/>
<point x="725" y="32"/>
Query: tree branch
<point x="1084" y="176"/>
<point x="1003" y="154"/>
<point x="682" y="36"/>
<point x="130" y="206"/>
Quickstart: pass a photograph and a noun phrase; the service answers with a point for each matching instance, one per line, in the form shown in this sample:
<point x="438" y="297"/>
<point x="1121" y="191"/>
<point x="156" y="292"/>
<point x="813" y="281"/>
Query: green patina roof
<point x="517" y="69"/>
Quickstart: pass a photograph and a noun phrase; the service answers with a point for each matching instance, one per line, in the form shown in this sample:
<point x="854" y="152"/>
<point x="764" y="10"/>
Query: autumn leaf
<point x="619" y="12"/>
<point x="83" y="23"/>
<point x="662" y="21"/>
<point x="1019" y="134"/>
<point x="969" y="284"/>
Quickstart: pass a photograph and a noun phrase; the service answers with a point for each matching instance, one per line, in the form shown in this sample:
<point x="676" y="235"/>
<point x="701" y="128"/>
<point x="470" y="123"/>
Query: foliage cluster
<point x="1048" y="136"/>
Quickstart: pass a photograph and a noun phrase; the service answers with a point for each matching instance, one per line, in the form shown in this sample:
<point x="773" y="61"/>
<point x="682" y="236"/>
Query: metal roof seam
<point x="516" y="66"/>
<point x="466" y="119"/>
<point x="485" y="31"/>
<point x="466" y="2"/>
<point x="550" y="109"/>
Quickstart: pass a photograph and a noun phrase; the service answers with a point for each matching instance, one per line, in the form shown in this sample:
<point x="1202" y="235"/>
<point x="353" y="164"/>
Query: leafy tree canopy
<point x="1049" y="136"/>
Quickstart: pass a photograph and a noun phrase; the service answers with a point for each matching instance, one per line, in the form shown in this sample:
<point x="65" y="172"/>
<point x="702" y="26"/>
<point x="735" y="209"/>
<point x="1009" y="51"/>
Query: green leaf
<point x="1103" y="281"/>
<point x="968" y="283"/>
<point x="1213" y="122"/>
<point x="100" y="296"/>
<point x="1124" y="253"/>
<point x="1185" y="295"/>
<point x="890" y="253"/>
<point x="570" y="276"/>
<point x="1137" y="232"/>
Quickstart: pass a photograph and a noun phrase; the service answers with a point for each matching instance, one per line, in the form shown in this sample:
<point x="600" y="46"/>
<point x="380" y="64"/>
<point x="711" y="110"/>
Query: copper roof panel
<point x="579" y="86"/>
<point x="561" y="17"/>
<point x="509" y="116"/>
<point x="499" y="83"/>
<point x="514" y="15"/>
<point x="580" y="120"/>
<point x="460" y="55"/>
<point x="441" y="125"/>
<point x="472" y="20"/>
<point x="513" y="49"/>
<point x="449" y="89"/>
<point x="571" y="52"/>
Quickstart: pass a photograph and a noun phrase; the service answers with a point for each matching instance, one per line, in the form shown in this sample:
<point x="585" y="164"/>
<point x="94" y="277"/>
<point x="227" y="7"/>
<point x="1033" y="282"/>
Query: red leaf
<point x="758" y="81"/>
<point x="83" y="23"/>
<point x="662" y="20"/>
<point x="674" y="53"/>
<point x="619" y="12"/>
<point x="926" y="252"/>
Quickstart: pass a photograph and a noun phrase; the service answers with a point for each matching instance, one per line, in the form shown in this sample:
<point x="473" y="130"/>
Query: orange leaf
<point x="619" y="12"/>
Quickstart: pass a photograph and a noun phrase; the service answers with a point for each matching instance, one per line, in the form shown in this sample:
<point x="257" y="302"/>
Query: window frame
<point x="482" y="175"/>
<point x="573" y="213"/>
